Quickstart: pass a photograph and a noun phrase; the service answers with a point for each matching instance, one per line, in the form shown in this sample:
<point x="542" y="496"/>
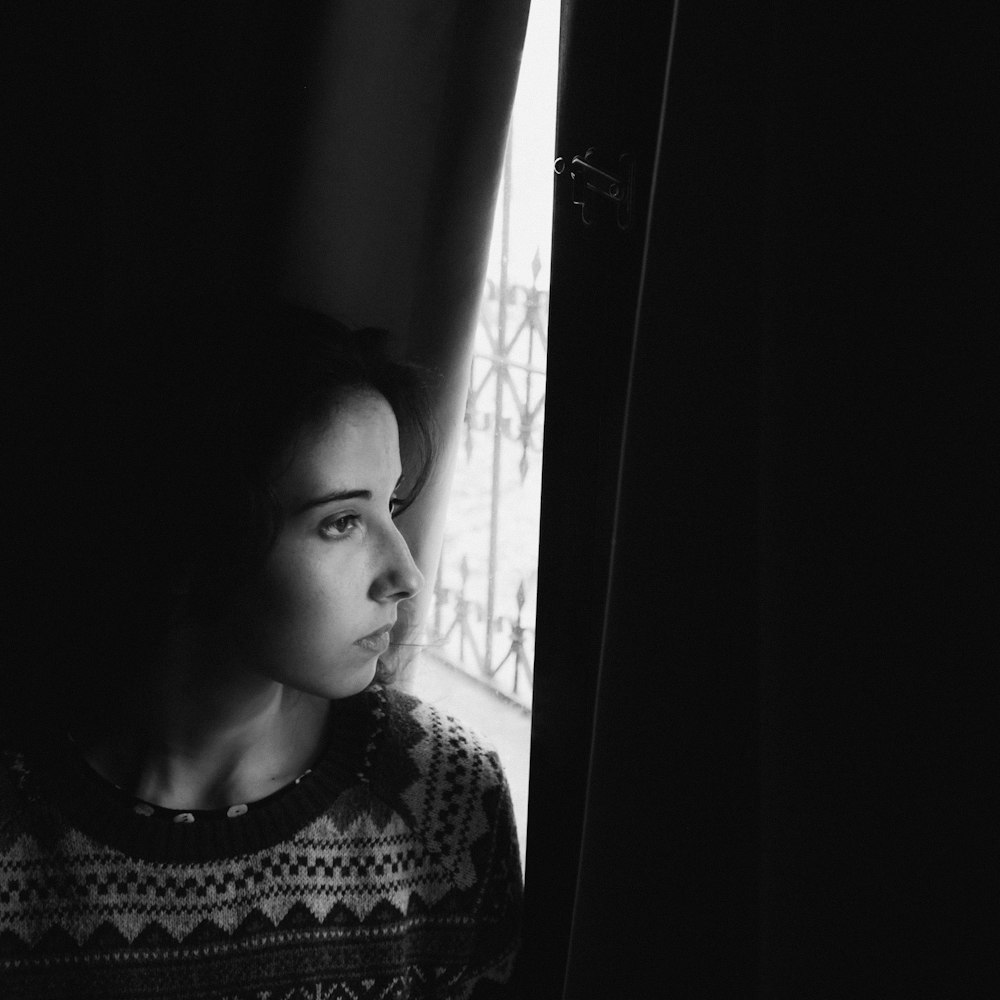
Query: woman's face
<point x="327" y="598"/>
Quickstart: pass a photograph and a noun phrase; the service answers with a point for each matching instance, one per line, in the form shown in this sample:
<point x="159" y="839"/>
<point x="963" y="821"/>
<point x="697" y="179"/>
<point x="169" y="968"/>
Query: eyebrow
<point x="333" y="497"/>
<point x="337" y="495"/>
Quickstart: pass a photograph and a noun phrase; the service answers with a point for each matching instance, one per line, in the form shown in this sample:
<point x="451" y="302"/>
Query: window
<point x="479" y="661"/>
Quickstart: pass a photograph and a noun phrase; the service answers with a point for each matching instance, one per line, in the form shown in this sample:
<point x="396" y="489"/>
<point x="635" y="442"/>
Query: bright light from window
<point x="480" y="660"/>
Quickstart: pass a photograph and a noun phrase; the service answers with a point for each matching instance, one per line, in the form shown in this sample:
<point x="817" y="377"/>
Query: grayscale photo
<point x="496" y="501"/>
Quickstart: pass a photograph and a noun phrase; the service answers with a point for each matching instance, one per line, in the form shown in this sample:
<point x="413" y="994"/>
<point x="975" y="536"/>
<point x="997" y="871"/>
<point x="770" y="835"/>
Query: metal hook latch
<point x="589" y="180"/>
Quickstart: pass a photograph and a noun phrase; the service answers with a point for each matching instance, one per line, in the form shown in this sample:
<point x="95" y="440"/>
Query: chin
<point x="358" y="681"/>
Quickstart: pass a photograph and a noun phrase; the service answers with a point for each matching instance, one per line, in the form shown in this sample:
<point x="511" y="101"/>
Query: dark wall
<point x="51" y="218"/>
<point x="147" y="154"/>
<point x="874" y="522"/>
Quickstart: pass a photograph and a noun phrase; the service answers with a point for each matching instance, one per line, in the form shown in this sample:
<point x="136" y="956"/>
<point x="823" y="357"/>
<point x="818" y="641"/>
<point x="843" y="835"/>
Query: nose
<point x="398" y="577"/>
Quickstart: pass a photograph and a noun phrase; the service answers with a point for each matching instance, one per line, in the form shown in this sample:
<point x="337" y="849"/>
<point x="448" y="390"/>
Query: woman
<point x="244" y="806"/>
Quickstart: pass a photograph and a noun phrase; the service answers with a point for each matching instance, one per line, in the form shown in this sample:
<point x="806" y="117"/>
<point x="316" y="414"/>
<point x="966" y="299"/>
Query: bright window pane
<point x="479" y="662"/>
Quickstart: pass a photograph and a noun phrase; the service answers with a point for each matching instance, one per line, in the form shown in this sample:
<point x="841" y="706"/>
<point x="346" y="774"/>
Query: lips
<point x="377" y="641"/>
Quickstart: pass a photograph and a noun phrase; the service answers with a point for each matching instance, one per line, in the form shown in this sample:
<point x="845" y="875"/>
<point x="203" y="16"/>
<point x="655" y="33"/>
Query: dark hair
<point x="211" y="409"/>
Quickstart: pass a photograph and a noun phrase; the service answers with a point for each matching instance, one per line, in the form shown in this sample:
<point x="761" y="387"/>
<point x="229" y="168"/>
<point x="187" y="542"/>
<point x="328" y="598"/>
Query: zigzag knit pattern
<point x="391" y="870"/>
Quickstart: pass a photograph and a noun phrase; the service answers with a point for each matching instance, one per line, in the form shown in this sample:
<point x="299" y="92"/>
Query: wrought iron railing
<point x="483" y="621"/>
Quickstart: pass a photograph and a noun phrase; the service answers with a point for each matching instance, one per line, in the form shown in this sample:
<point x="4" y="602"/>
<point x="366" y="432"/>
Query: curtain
<point x="347" y="153"/>
<point x="786" y="765"/>
<point x="387" y="216"/>
<point x="665" y="896"/>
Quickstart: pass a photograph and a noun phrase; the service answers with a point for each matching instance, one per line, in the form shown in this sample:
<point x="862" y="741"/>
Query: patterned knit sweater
<point x="391" y="869"/>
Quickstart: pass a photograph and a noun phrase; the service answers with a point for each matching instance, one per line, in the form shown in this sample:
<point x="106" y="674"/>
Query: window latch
<point x="591" y="185"/>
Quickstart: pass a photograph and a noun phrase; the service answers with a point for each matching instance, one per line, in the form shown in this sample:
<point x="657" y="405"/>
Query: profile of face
<point x="320" y="616"/>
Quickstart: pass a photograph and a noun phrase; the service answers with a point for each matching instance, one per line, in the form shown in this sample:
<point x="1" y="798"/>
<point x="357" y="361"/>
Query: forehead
<point x="354" y="445"/>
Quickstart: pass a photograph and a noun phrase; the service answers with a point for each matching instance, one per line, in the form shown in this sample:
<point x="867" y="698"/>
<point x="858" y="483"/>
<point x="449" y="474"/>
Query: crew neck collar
<point x="114" y="817"/>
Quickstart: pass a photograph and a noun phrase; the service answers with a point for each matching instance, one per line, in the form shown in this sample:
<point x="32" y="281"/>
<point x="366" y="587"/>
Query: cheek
<point x="302" y="599"/>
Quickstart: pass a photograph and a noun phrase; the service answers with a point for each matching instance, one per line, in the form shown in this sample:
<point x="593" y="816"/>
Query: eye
<point x="396" y="506"/>
<point x="340" y="526"/>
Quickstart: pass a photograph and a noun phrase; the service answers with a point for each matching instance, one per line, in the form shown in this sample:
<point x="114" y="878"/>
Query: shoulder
<point x="437" y="734"/>
<point x="444" y="777"/>
<point x="427" y="744"/>
<point x="459" y="805"/>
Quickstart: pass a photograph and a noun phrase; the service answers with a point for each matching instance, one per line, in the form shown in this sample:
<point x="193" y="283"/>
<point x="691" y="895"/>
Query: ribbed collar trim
<point x="109" y="815"/>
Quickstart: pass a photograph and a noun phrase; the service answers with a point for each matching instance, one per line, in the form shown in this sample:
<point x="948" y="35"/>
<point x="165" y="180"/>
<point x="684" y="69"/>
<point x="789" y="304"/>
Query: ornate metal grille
<point x="483" y="621"/>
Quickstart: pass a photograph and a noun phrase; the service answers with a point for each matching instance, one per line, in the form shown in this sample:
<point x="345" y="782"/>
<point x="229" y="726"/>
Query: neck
<point x="202" y="734"/>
